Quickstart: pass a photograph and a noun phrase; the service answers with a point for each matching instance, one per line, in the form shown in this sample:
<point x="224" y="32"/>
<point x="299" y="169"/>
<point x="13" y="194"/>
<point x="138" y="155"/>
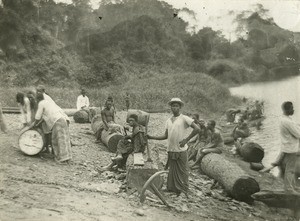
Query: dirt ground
<point x="37" y="188"/>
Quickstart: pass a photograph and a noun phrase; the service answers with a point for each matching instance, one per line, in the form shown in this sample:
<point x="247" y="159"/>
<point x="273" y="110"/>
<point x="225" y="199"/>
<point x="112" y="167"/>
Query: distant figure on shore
<point x="289" y="156"/>
<point x="257" y="111"/>
<point x="3" y="126"/>
<point x="214" y="146"/>
<point x="127" y="101"/>
<point x="241" y="130"/>
<point x="83" y="102"/>
<point x="177" y="147"/>
<point x="230" y="114"/>
<point x="134" y="143"/>
<point x="246" y="113"/>
<point x="50" y="113"/>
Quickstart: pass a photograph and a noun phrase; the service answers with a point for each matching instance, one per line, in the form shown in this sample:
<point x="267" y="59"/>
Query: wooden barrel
<point x="143" y="117"/>
<point x="31" y="142"/>
<point x="81" y="116"/>
<point x="111" y="140"/>
<point x="251" y="152"/>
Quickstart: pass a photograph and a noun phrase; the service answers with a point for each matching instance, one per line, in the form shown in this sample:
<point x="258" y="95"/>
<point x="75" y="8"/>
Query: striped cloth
<point x="61" y="140"/>
<point x="178" y="176"/>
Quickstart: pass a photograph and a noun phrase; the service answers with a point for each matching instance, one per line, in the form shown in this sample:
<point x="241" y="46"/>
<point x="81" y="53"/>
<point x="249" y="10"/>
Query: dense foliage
<point x="60" y="44"/>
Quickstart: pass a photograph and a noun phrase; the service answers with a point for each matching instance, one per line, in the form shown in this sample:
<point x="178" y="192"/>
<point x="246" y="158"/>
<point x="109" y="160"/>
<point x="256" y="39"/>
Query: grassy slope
<point x="200" y="92"/>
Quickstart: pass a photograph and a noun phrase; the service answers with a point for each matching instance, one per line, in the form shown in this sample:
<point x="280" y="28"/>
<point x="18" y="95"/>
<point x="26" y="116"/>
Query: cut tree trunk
<point x="251" y="152"/>
<point x="81" y="116"/>
<point x="109" y="139"/>
<point x="236" y="181"/>
<point x="3" y="126"/>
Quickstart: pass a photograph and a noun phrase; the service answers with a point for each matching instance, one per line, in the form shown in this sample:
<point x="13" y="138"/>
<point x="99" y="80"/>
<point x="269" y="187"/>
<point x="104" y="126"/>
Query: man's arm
<point x="103" y="116"/>
<point x="28" y="111"/>
<point x="293" y="128"/>
<point x="162" y="137"/>
<point x="195" y="131"/>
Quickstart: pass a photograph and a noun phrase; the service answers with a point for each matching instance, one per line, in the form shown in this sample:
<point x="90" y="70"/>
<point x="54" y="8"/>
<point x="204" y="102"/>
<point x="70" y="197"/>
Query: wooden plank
<point x="138" y="159"/>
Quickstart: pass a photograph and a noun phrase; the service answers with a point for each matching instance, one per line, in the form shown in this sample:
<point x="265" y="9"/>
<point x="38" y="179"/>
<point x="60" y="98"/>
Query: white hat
<point x="176" y="100"/>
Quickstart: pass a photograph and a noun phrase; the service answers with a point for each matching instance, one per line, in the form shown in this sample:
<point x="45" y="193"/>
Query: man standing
<point x="177" y="147"/>
<point x="290" y="150"/>
<point x="83" y="101"/>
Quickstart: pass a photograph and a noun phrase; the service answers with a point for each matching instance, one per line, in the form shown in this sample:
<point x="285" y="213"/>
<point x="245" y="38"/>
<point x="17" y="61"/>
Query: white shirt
<point x="176" y="127"/>
<point x="82" y="101"/>
<point x="49" y="112"/>
<point x="26" y="111"/>
<point x="290" y="135"/>
<point x="48" y="98"/>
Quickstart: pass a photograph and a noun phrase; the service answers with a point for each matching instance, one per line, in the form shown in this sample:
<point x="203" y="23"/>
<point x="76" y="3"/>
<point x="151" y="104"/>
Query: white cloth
<point x="26" y="111"/>
<point x="48" y="98"/>
<point x="176" y="127"/>
<point x="290" y="135"/>
<point x="49" y="112"/>
<point x="82" y="101"/>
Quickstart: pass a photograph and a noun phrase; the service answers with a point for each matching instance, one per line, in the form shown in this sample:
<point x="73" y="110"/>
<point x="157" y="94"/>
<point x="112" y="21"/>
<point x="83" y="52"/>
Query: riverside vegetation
<point x="143" y="47"/>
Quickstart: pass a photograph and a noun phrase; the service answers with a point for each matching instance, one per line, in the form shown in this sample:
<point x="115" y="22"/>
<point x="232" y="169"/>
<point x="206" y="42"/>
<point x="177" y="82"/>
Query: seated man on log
<point x="214" y="145"/>
<point x="202" y="140"/>
<point x="194" y="139"/>
<point x="108" y="120"/>
<point x="83" y="103"/>
<point x="134" y="143"/>
<point x="241" y="130"/>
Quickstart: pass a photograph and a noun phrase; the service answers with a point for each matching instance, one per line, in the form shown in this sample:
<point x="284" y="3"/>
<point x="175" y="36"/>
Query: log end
<point x="244" y="187"/>
<point x="252" y="152"/>
<point x="81" y="116"/>
<point x="112" y="143"/>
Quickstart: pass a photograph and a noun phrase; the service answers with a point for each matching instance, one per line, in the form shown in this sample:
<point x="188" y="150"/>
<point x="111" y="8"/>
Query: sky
<point x="215" y="13"/>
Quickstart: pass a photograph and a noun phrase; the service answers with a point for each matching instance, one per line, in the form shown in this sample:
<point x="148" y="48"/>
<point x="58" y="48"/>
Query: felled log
<point x="256" y="166"/>
<point x="31" y="142"/>
<point x="278" y="199"/>
<point x="81" y="116"/>
<point x="70" y="112"/>
<point x="2" y="121"/>
<point x="11" y="110"/>
<point x="143" y="117"/>
<point x="109" y="138"/>
<point x="227" y="138"/>
<point x="251" y="152"/>
<point x="236" y="181"/>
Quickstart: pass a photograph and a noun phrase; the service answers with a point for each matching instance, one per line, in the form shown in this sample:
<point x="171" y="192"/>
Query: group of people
<point x="39" y="110"/>
<point x="255" y="112"/>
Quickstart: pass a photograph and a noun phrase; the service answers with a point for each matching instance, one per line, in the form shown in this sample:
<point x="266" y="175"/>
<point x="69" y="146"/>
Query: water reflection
<point x="274" y="94"/>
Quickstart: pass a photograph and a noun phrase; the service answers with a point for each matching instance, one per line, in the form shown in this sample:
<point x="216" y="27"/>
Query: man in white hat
<point x="177" y="147"/>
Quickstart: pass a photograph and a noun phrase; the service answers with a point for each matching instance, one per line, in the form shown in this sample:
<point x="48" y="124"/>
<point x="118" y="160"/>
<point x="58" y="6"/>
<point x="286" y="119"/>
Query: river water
<point x="274" y="94"/>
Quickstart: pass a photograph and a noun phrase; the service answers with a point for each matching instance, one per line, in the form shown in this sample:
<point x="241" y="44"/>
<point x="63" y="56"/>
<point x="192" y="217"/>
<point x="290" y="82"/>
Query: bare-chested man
<point x="108" y="119"/>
